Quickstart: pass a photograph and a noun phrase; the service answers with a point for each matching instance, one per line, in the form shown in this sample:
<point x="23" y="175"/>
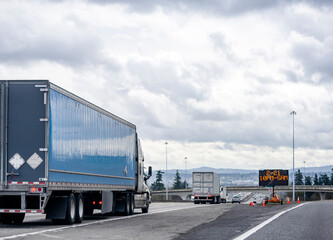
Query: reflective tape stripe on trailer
<point x="65" y="184"/>
<point x="27" y="183"/>
<point x="19" y="211"/>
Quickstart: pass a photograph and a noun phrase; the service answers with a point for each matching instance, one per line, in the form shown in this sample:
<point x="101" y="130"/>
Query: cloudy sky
<point x="216" y="79"/>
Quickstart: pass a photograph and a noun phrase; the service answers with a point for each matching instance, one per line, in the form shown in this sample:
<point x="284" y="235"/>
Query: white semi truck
<point x="207" y="188"/>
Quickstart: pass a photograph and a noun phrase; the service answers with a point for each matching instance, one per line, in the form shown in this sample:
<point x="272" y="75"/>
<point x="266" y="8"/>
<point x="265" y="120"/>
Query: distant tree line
<point x="177" y="183"/>
<point x="322" y="179"/>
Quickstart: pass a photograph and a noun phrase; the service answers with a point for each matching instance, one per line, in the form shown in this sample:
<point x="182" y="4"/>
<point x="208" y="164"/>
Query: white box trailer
<point x="206" y="188"/>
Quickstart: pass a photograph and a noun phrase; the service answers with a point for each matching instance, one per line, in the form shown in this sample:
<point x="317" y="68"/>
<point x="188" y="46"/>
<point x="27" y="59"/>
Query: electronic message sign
<point x="273" y="178"/>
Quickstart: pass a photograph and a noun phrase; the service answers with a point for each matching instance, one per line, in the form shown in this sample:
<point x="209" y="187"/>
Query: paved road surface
<point x="234" y="222"/>
<point x="310" y="221"/>
<point x="164" y="221"/>
<point x="188" y="221"/>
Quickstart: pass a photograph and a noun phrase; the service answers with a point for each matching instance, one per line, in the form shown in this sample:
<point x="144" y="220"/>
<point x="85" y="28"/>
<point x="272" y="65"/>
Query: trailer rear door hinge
<point x="44" y="119"/>
<point x="44" y="89"/>
<point x="43" y="149"/>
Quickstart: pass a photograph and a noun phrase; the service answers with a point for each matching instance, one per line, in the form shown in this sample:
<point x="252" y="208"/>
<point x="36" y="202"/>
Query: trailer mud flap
<point x="107" y="202"/>
<point x="56" y="208"/>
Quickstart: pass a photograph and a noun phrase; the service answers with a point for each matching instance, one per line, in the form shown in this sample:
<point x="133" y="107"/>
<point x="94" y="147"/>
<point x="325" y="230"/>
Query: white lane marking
<point x="96" y="222"/>
<point x="253" y="230"/>
<point x="49" y="236"/>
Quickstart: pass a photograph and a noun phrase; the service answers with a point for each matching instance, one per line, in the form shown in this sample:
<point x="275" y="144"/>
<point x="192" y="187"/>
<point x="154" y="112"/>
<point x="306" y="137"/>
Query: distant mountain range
<point x="231" y="177"/>
<point x="323" y="169"/>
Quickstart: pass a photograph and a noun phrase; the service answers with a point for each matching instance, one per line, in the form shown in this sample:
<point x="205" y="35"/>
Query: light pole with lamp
<point x="185" y="174"/>
<point x="304" y="178"/>
<point x="293" y="113"/>
<point x="166" y="170"/>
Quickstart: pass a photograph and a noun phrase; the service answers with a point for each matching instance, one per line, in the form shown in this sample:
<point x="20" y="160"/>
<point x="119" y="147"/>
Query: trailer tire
<point x="131" y="212"/>
<point x="127" y="206"/>
<point x="71" y="210"/>
<point x="79" y="208"/>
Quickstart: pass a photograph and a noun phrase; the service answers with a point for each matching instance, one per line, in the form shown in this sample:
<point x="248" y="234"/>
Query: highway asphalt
<point x="181" y="221"/>
<point x="310" y="221"/>
<point x="231" y="224"/>
<point x="164" y="221"/>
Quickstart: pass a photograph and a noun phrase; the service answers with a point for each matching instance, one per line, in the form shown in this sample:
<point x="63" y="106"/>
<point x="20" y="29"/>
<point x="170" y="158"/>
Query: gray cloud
<point x="215" y="6"/>
<point x="72" y="52"/>
<point x="225" y="7"/>
<point x="155" y="92"/>
<point x="222" y="46"/>
<point x="316" y="57"/>
<point x="25" y="38"/>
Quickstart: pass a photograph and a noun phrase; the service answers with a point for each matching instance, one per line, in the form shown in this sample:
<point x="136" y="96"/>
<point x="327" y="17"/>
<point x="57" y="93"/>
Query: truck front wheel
<point x="146" y="208"/>
<point x="131" y="204"/>
<point x="127" y="205"/>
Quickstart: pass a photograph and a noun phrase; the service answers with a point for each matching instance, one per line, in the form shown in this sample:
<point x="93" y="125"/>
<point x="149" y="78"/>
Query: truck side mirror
<point x="150" y="171"/>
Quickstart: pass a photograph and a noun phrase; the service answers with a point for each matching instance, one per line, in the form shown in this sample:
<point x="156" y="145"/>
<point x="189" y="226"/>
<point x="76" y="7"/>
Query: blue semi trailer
<point x="64" y="156"/>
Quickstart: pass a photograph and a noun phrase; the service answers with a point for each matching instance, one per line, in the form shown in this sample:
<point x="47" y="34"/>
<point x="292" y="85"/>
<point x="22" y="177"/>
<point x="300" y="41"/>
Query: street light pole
<point x="185" y="174"/>
<point x="304" y="178"/>
<point x="166" y="170"/>
<point x="293" y="113"/>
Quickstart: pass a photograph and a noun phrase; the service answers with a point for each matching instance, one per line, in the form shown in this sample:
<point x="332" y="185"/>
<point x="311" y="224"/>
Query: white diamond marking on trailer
<point x="16" y="161"/>
<point x="34" y="161"/>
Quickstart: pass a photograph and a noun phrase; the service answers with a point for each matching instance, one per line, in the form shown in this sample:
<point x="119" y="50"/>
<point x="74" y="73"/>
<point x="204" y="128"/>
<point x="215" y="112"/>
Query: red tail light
<point x="36" y="190"/>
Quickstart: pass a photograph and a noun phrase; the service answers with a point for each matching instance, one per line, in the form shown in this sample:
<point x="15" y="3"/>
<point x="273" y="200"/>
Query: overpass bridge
<point x="185" y="194"/>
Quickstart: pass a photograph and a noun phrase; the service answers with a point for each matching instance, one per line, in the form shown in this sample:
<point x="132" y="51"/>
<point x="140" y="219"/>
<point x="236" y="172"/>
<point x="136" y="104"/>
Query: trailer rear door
<point x="24" y="152"/>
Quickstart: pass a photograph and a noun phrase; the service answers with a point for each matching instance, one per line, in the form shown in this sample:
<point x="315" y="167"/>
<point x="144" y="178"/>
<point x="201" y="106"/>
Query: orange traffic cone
<point x="288" y="201"/>
<point x="263" y="203"/>
<point x="298" y="200"/>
